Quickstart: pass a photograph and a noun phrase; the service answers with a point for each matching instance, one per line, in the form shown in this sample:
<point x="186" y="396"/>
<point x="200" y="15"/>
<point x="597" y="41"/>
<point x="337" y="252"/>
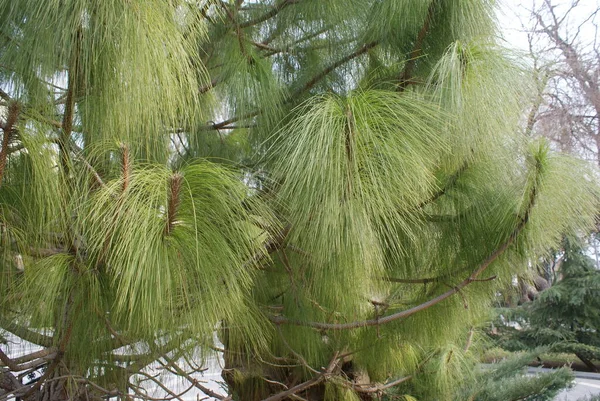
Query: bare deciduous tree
<point x="565" y="48"/>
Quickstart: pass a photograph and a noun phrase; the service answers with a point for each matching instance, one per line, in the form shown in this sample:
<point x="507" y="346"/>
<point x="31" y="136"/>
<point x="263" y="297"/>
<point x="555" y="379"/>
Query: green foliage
<point x="337" y="187"/>
<point x="507" y="380"/>
<point x="565" y="316"/>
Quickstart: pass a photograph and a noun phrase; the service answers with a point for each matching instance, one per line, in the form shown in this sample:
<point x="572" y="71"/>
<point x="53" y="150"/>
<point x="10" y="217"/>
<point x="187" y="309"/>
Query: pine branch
<point x="30" y="361"/>
<point x="307" y="86"/>
<point x="312" y="82"/>
<point x="92" y="170"/>
<point x="415" y="280"/>
<point x="473" y="277"/>
<point x="144" y="395"/>
<point x="60" y="352"/>
<point x="449" y="184"/>
<point x="34" y="355"/>
<point x="67" y="123"/>
<point x="309" y="383"/>
<point x="299" y="357"/>
<point x="380" y="387"/>
<point x="469" y="340"/>
<point x="194" y="382"/>
<point x="11" y="385"/>
<point x="406" y="75"/>
<point x="292" y="45"/>
<point x="26" y="334"/>
<point x="429" y="279"/>
<point x="268" y="15"/>
<point x="210" y="85"/>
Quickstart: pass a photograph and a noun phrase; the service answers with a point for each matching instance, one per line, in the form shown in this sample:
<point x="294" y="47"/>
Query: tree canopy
<point x="335" y="187"/>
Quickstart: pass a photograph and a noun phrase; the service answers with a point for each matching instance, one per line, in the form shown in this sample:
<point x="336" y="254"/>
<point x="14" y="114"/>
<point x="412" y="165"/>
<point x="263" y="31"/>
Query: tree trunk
<point x="588" y="363"/>
<point x="252" y="380"/>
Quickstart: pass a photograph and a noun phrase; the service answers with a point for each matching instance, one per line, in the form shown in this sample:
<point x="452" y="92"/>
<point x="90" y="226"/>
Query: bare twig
<point x="324" y="375"/>
<point x="194" y="382"/>
<point x="380" y="387"/>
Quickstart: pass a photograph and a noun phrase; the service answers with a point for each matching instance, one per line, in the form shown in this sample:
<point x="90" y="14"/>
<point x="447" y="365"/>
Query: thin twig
<point x="309" y="383"/>
<point x="380" y="387"/>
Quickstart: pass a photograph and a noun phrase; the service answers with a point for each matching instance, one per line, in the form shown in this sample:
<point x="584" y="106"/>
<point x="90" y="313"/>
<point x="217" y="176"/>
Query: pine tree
<point x="564" y="317"/>
<point x="335" y="187"/>
<point x="508" y="381"/>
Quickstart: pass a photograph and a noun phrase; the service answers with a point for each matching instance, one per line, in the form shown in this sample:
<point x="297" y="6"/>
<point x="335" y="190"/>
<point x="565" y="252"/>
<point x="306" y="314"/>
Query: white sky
<point x="515" y="14"/>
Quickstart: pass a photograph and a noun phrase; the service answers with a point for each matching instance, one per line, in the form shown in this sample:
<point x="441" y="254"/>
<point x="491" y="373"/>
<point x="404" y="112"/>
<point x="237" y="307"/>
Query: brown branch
<point x="26" y="334"/>
<point x="67" y="123"/>
<point x="42" y="119"/>
<point x="210" y="85"/>
<point x="428" y="280"/>
<point x="587" y="362"/>
<point x="194" y="382"/>
<point x="107" y="392"/>
<point x="307" y="86"/>
<point x="309" y="383"/>
<point x="299" y="357"/>
<point x="11" y="385"/>
<point x="8" y="362"/>
<point x="449" y="183"/>
<point x="53" y="365"/>
<point x="174" y="192"/>
<point x="120" y="341"/>
<point x="579" y="71"/>
<point x="486" y="279"/>
<point x="268" y="15"/>
<point x="262" y="46"/>
<point x="99" y="181"/>
<point x="172" y="395"/>
<point x="30" y="361"/>
<point x="414" y="280"/>
<point x="8" y="383"/>
<point x="5" y="96"/>
<point x="296" y="389"/>
<point x="231" y="120"/>
<point x="406" y="75"/>
<point x="291" y="46"/>
<point x="34" y="355"/>
<point x="8" y="129"/>
<point x="380" y="387"/>
<point x="60" y="352"/>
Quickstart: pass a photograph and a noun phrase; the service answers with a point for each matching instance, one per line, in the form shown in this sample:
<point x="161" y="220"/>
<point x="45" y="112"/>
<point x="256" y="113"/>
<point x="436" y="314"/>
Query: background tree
<point x="564" y="317"/>
<point x="508" y="381"/>
<point x="338" y="188"/>
<point x="563" y="42"/>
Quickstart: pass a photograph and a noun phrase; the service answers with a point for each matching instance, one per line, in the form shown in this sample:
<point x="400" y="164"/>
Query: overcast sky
<point x="514" y="13"/>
